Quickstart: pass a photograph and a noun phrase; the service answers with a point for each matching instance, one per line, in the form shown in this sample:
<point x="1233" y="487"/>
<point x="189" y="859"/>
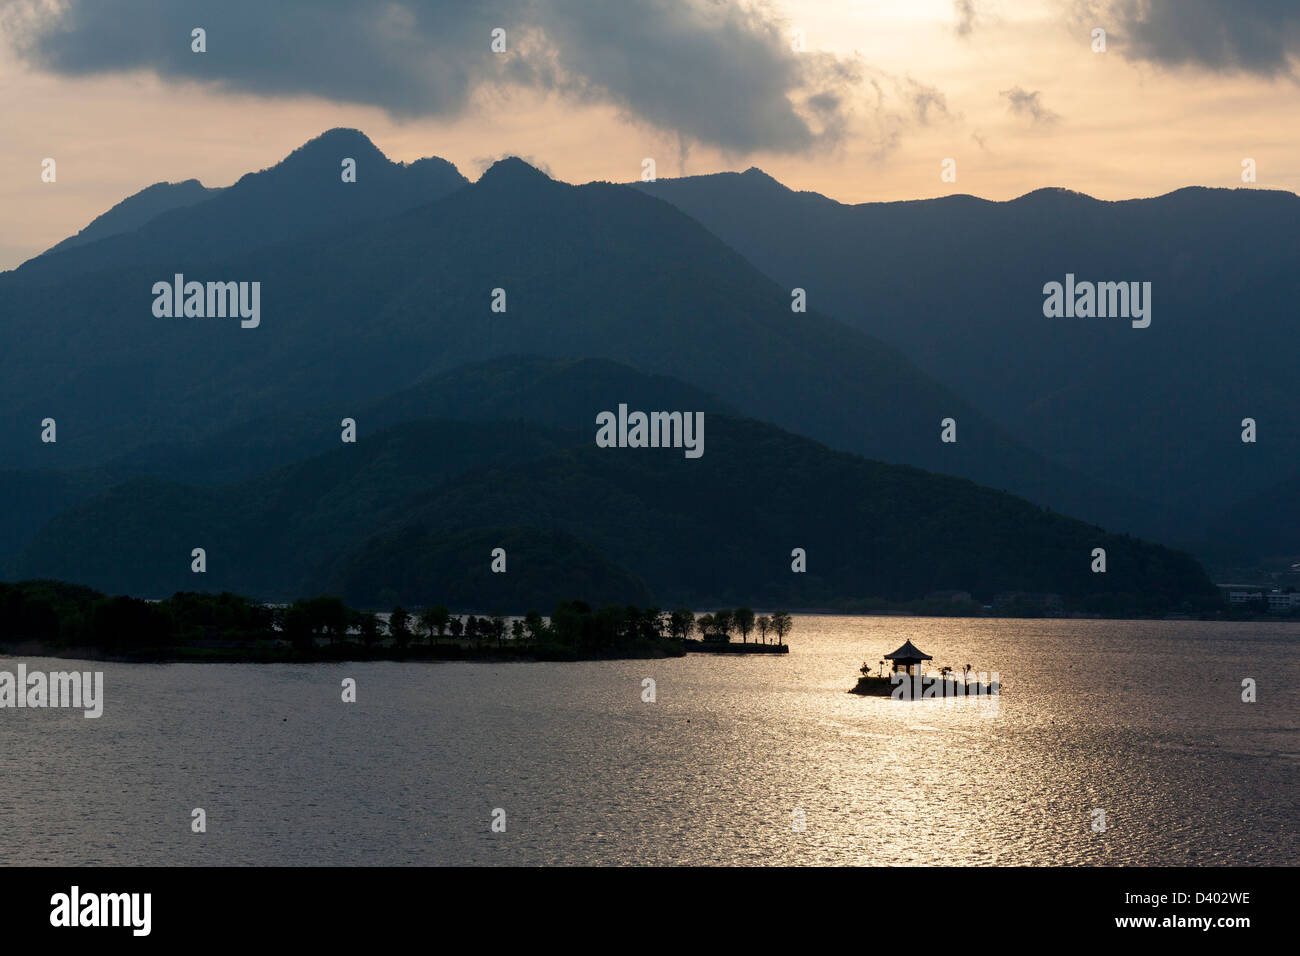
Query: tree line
<point x="720" y="625"/>
<point x="68" y="615"/>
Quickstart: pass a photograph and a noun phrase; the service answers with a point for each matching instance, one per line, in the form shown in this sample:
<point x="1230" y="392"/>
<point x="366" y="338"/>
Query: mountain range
<point x="957" y="285"/>
<point x="412" y="512"/>
<point x="378" y="305"/>
<point x="597" y="270"/>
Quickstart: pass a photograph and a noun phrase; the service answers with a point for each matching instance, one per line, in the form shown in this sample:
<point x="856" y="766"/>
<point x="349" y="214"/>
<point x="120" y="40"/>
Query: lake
<point x="739" y="760"/>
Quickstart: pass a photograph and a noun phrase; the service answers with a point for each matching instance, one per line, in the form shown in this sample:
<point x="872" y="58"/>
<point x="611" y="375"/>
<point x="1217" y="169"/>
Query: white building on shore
<point x="1282" y="602"/>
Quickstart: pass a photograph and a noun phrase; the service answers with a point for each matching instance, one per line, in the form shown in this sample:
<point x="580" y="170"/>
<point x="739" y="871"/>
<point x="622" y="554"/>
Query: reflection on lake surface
<point x="1142" y="720"/>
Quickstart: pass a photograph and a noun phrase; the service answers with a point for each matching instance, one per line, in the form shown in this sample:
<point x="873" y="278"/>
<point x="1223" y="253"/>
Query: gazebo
<point x="907" y="657"/>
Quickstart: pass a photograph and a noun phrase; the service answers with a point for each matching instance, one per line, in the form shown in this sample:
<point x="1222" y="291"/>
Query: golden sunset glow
<point x="926" y="88"/>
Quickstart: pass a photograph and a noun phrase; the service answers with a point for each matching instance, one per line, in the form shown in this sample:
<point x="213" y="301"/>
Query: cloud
<point x="1026" y="103"/>
<point x="898" y="104"/>
<point x="923" y="100"/>
<point x="1227" y="36"/>
<point x="966" y="13"/>
<point x="712" y="71"/>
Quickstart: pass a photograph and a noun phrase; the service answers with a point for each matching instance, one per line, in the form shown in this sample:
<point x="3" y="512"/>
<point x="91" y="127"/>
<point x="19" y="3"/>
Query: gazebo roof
<point x="909" y="652"/>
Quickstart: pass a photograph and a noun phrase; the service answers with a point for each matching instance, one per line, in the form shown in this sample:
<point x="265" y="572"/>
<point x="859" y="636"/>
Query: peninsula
<point x="56" y="619"/>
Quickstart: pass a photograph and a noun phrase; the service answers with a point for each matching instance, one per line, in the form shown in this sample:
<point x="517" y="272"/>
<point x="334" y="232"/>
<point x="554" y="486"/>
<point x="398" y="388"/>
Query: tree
<point x="128" y="622"/>
<point x="744" y="621"/>
<point x="517" y="631"/>
<point x="536" y="625"/>
<point x="782" y="624"/>
<point x="681" y="623"/>
<point x="571" y="623"/>
<point x="609" y="626"/>
<point x="764" y="625"/>
<point x="337" y="616"/>
<point x="705" y="625"/>
<point x="399" y="624"/>
<point x="441" y="617"/>
<point x="644" y="624"/>
<point x="327" y="616"/>
<point x="723" y="624"/>
<point x="297" y="625"/>
<point x="368" y="626"/>
<point x="434" y="620"/>
<point x="426" y="622"/>
<point x="497" y="627"/>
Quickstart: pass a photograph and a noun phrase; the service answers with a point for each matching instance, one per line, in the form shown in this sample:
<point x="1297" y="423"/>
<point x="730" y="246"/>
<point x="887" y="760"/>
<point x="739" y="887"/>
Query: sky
<point x="862" y="101"/>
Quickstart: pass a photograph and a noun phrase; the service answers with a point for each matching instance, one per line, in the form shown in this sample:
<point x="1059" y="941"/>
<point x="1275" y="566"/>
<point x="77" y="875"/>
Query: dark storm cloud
<point x="710" y="70"/>
<point x="1251" y="36"/>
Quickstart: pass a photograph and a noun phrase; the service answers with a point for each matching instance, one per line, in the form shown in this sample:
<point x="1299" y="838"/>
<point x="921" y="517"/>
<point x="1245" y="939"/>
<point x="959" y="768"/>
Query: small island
<point x="907" y="680"/>
<point x="57" y="619"/>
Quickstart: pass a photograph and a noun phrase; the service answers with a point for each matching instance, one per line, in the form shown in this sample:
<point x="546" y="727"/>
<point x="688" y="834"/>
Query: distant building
<point x="1283" y="602"/>
<point x="1241" y="593"/>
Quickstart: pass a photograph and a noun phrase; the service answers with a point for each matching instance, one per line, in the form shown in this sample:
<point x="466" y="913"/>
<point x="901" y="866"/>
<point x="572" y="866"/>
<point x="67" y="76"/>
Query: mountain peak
<point x="325" y="150"/>
<point x="340" y="142"/>
<point x="1053" y="193"/>
<point x="511" y="171"/>
<point x="756" y="178"/>
<point x="339" y="136"/>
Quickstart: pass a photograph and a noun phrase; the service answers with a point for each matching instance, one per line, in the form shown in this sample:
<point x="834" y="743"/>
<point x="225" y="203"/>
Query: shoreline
<point x="339" y="654"/>
<point x="279" y="651"/>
